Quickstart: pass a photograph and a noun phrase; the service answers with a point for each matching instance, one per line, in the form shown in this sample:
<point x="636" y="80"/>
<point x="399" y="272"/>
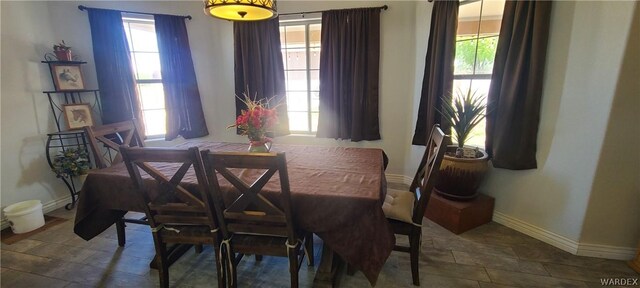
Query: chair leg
<point x="235" y="272"/>
<point x="163" y="267"/>
<point x="309" y="247"/>
<point x="414" y="241"/>
<point x="120" y="231"/>
<point x="220" y="268"/>
<point x="231" y="274"/>
<point x="293" y="266"/>
<point x="198" y="248"/>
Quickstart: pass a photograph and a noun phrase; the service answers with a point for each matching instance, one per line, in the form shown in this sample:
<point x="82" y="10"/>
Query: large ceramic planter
<point x="460" y="178"/>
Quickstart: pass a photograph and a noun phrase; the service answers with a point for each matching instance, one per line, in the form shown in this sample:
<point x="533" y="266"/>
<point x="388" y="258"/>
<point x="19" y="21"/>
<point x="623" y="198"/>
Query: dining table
<point x="336" y="192"/>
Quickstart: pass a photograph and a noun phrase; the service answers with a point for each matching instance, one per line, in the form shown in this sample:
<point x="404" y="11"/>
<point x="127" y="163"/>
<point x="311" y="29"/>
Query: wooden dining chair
<point x="105" y="143"/>
<point x="405" y="209"/>
<point x="175" y="214"/>
<point x="255" y="222"/>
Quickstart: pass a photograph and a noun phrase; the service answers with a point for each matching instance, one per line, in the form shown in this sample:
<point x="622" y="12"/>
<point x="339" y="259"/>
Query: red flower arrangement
<point x="256" y="121"/>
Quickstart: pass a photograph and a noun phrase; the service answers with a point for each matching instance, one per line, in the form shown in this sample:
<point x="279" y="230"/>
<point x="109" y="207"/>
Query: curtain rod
<point x="385" y="7"/>
<point x="463" y="2"/>
<point x="83" y="8"/>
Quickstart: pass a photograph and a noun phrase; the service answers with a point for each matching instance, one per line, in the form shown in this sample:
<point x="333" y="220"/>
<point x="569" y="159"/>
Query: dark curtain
<point x="182" y="98"/>
<point x="118" y="92"/>
<point x="259" y="70"/>
<point x="438" y="68"/>
<point x="349" y="68"/>
<point x="513" y="109"/>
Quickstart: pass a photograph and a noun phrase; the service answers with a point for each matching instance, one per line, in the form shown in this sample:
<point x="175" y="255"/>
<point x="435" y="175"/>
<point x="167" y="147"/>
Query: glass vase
<point x="259" y="147"/>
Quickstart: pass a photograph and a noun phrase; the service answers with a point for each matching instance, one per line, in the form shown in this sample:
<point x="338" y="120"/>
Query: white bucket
<point x="25" y="216"/>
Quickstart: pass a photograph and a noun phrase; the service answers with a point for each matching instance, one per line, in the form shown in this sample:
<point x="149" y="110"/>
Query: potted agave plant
<point x="463" y="168"/>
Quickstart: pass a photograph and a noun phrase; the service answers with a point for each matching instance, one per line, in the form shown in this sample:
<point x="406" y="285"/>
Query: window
<point x="476" y="43"/>
<point x="141" y="35"/>
<point x="301" y="55"/>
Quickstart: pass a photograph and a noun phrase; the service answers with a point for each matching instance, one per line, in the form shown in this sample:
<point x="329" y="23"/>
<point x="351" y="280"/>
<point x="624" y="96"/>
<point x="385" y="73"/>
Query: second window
<point x="300" y="42"/>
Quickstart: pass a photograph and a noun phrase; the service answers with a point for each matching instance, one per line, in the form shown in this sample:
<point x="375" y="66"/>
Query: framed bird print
<point x="77" y="115"/>
<point x="67" y="77"/>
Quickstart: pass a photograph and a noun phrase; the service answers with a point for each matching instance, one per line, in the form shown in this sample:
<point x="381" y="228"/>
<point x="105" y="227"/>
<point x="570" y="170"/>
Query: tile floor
<point x="489" y="256"/>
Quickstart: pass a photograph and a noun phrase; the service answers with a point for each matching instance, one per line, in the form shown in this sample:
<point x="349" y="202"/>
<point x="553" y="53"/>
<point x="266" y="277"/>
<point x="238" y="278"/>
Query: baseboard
<point x="400" y="179"/>
<point x="606" y="251"/>
<point x="564" y="243"/>
<point x="46" y="208"/>
<point x="536" y="232"/>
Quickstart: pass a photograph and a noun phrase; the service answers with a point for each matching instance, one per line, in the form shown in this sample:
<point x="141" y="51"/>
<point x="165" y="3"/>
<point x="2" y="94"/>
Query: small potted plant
<point x="255" y="122"/>
<point x="62" y="51"/>
<point x="71" y="162"/>
<point x="463" y="168"/>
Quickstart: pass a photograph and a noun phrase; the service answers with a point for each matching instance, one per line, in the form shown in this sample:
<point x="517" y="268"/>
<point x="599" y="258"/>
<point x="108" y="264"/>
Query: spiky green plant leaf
<point x="463" y="112"/>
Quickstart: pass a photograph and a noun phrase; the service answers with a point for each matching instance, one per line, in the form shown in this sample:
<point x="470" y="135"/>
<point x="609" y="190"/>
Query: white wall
<point x="422" y="28"/>
<point x="585" y="51"/>
<point x="26" y="36"/>
<point x="613" y="217"/>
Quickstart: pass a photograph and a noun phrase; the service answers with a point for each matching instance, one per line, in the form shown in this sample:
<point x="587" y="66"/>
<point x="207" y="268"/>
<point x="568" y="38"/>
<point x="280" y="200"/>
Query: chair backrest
<point x="251" y="212"/>
<point x="167" y="201"/>
<point x="427" y="174"/>
<point x="111" y="136"/>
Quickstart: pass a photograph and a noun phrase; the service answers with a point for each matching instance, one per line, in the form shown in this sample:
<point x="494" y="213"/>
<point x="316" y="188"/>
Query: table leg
<point x="330" y="264"/>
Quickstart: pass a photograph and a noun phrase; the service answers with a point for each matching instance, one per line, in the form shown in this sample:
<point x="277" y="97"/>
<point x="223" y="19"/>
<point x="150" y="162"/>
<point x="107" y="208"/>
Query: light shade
<point x="241" y="10"/>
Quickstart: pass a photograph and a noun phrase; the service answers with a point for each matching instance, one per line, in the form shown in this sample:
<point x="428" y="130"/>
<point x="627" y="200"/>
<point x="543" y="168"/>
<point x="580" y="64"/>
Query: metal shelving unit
<point x="64" y="139"/>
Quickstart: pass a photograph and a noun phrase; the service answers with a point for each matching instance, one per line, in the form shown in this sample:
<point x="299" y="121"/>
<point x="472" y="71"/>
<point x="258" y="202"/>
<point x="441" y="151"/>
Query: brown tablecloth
<point x="337" y="193"/>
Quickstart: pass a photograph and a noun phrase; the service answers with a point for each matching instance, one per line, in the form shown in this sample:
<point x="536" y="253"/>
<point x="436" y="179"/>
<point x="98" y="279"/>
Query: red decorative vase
<point x="63" y="55"/>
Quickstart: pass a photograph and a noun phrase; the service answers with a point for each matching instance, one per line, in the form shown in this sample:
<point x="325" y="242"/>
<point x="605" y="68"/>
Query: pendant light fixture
<point x="241" y="10"/>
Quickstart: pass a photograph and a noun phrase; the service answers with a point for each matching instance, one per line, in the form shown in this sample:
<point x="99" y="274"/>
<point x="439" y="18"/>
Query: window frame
<point x="307" y="23"/>
<point x="142" y="19"/>
<point x="476" y="37"/>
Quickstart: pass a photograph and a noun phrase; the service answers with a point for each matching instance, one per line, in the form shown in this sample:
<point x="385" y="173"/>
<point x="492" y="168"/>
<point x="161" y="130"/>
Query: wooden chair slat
<point x="245" y="200"/>
<point x="175" y="180"/>
<point x="185" y="196"/>
<point x="258" y="230"/>
<point x="176" y="207"/>
<point x="233" y="179"/>
<point x="160" y="155"/>
<point x="250" y="193"/>
<point x="231" y="160"/>
<point x="107" y="142"/>
<point x="248" y="216"/>
<point x="176" y="219"/>
<point x="165" y="184"/>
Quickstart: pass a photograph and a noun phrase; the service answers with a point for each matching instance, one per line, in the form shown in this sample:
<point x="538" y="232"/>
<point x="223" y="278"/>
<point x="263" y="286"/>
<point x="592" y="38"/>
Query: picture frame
<point x="77" y="115"/>
<point x="67" y="77"/>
